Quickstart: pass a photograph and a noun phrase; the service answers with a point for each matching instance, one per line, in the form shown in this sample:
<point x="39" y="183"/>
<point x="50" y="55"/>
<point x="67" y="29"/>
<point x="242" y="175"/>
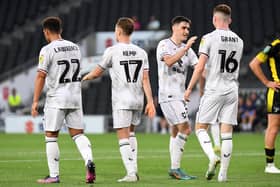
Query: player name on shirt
<point x="66" y="48"/>
<point x="229" y="39"/>
<point x="129" y="53"/>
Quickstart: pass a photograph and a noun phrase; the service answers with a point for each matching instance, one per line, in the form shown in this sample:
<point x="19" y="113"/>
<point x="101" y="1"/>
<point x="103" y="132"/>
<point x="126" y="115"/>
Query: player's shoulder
<point x="111" y="49"/>
<point x="46" y="48"/>
<point x="165" y="41"/>
<point x="138" y="48"/>
<point x="210" y="34"/>
<point x="208" y="37"/>
<point x="237" y="36"/>
<point x="275" y="42"/>
<point x="67" y="43"/>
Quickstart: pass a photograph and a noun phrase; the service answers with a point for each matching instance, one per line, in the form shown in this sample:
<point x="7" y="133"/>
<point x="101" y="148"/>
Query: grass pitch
<point x="23" y="161"/>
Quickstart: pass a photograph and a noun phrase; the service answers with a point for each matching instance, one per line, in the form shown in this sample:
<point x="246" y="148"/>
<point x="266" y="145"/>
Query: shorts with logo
<point x="272" y="101"/>
<point x="54" y="118"/>
<point x="124" y="118"/>
<point x="175" y="112"/>
<point x="219" y="107"/>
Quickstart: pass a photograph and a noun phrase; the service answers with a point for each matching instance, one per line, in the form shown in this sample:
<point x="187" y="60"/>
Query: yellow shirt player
<point x="14" y="100"/>
<point x="271" y="56"/>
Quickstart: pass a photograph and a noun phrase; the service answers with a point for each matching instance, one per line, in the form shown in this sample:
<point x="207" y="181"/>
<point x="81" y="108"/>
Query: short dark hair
<point x="54" y="24"/>
<point x="223" y="8"/>
<point x="179" y="19"/>
<point x="126" y="24"/>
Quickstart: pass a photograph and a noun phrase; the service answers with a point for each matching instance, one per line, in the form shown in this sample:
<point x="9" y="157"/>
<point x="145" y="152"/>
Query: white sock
<point x="171" y="143"/>
<point x="134" y="148"/>
<point x="178" y="150"/>
<point x="215" y="131"/>
<point x="127" y="157"/>
<point x="226" y="151"/>
<point x="84" y="146"/>
<point x="52" y="151"/>
<point x="205" y="143"/>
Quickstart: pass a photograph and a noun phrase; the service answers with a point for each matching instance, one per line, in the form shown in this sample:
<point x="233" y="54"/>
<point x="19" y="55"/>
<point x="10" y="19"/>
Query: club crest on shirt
<point x="41" y="59"/>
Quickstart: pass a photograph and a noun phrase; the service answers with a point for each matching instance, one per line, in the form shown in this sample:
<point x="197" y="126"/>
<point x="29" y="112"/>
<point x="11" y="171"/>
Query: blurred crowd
<point x="252" y="111"/>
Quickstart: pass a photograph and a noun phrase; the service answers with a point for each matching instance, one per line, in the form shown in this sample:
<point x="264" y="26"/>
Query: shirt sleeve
<point x="44" y="60"/>
<point x="146" y="62"/>
<point x="106" y="59"/>
<point x="192" y="56"/>
<point x="162" y="50"/>
<point x="265" y="53"/>
<point x="204" y="46"/>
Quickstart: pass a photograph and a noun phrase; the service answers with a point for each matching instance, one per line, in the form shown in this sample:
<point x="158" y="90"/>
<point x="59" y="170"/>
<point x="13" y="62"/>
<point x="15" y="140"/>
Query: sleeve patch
<point x="41" y="59"/>
<point x="266" y="49"/>
<point x="202" y="42"/>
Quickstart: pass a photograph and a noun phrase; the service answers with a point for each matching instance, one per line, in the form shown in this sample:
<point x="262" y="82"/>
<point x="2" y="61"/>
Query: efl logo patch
<point x="266" y="49"/>
<point x="41" y="59"/>
<point x="202" y="42"/>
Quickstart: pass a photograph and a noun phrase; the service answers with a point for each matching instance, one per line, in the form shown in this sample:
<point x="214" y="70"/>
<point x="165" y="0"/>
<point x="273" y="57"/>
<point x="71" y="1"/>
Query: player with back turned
<point x="59" y="68"/>
<point x="129" y="70"/>
<point x="221" y="50"/>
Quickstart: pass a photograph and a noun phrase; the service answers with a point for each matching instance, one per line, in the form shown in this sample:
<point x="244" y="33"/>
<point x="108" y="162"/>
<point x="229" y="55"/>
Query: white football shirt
<point x="172" y="79"/>
<point x="60" y="59"/>
<point x="224" y="49"/>
<point x="126" y="63"/>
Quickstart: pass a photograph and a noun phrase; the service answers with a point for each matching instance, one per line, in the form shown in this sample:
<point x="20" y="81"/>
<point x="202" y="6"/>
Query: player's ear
<point x="229" y="20"/>
<point x="173" y="27"/>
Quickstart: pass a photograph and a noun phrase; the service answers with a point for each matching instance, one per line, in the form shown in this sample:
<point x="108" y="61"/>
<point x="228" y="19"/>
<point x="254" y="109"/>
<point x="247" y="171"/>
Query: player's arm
<point x="255" y="66"/>
<point x="172" y="59"/>
<point x="150" y="108"/>
<point x="39" y="85"/>
<point x="202" y="83"/>
<point x="95" y="73"/>
<point x="198" y="70"/>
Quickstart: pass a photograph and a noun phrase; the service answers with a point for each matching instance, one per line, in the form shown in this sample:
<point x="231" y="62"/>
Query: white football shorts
<point x="218" y="107"/>
<point x="124" y="118"/>
<point x="54" y="118"/>
<point x="175" y="112"/>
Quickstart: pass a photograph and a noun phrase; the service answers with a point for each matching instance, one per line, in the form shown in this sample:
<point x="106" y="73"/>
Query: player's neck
<point x="176" y="41"/>
<point x="124" y="39"/>
<point x="55" y="37"/>
<point x="222" y="26"/>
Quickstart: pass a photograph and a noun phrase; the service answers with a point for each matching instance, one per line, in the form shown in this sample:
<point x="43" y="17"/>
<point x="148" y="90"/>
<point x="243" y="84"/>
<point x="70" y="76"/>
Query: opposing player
<point x="129" y="70"/>
<point x="221" y="50"/>
<point x="174" y="57"/>
<point x="271" y="55"/>
<point x="59" y="66"/>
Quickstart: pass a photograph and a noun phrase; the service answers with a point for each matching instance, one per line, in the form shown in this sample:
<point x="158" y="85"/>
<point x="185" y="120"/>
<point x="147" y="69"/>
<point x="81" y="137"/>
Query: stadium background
<point x="90" y="23"/>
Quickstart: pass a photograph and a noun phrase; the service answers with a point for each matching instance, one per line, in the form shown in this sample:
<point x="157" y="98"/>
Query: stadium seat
<point x="268" y="17"/>
<point x="245" y="25"/>
<point x="257" y="26"/>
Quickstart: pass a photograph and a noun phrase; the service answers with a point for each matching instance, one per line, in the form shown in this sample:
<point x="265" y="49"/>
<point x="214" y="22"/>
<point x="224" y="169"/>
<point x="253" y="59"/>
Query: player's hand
<point x="187" y="95"/>
<point x="274" y="85"/>
<point x="150" y="110"/>
<point x="34" y="109"/>
<point x="201" y="92"/>
<point x="86" y="77"/>
<point x="190" y="41"/>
